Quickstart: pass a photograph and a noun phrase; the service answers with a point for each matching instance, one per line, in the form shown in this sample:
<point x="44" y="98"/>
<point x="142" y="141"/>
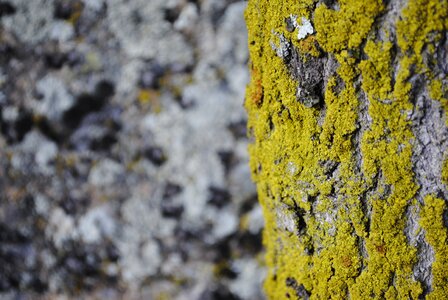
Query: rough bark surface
<point x="347" y="109"/>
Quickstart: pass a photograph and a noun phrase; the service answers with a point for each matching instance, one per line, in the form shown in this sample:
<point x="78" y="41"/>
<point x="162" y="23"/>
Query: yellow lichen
<point x="444" y="174"/>
<point x="423" y="24"/>
<point x="347" y="27"/>
<point x="431" y="220"/>
<point x="151" y="97"/>
<point x="438" y="91"/>
<point x="305" y="160"/>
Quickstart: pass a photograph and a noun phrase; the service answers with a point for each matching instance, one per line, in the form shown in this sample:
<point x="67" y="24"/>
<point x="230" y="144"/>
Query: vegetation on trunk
<point x="346" y="106"/>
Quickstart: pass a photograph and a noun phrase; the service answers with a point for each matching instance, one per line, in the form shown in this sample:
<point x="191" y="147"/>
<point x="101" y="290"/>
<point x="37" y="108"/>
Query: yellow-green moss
<point x="423" y="24"/>
<point x="438" y="91"/>
<point x="378" y="68"/>
<point x="431" y="220"/>
<point x="294" y="145"/>
<point x="346" y="27"/>
<point x="444" y="174"/>
<point x="386" y="147"/>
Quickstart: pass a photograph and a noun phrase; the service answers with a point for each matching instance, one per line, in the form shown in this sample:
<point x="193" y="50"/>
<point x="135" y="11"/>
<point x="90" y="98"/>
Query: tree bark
<point x="347" y="111"/>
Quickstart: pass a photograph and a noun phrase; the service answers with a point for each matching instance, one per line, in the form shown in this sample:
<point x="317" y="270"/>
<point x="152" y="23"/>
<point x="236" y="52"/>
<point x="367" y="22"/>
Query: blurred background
<point x="123" y="164"/>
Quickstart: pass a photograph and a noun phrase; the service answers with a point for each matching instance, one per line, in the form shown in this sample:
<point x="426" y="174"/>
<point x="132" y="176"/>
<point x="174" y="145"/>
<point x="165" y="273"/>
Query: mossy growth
<point x="437" y="236"/>
<point x="335" y="180"/>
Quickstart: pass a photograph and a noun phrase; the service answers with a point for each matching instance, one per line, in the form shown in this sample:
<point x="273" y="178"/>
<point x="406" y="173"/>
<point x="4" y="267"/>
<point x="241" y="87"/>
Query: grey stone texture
<point x="123" y="163"/>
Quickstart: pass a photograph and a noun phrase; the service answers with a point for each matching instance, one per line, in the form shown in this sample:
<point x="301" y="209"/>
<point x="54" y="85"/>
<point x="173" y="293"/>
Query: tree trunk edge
<point x="347" y="109"/>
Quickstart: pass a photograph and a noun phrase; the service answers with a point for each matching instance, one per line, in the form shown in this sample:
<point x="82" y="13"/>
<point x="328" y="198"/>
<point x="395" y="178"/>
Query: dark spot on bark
<point x="37" y="284"/>
<point x="417" y="86"/>
<point x="289" y="24"/>
<point x="309" y="249"/>
<point x="155" y="155"/>
<point x="6" y="8"/>
<point x="14" y="131"/>
<point x="290" y="282"/>
<point x="171" y="14"/>
<point x="340" y="85"/>
<point x="76" y="266"/>
<point x="259" y="168"/>
<point x="442" y="54"/>
<point x="98" y="131"/>
<point x="49" y="130"/>
<point x="82" y="266"/>
<point x="271" y="124"/>
<point x="218" y="293"/>
<point x="250" y="242"/>
<point x="55" y="60"/>
<point x="299" y="218"/>
<point x="38" y="95"/>
<point x="222" y="250"/>
<point x="113" y="254"/>
<point x="18" y="252"/>
<point x="8" y="51"/>
<point x="218" y="197"/>
<point x="184" y="239"/>
<point x="171" y="189"/>
<point x="23" y="124"/>
<point x="300" y="290"/>
<point x="136" y="17"/>
<point x="248" y="204"/>
<point x="63" y="9"/>
<point x="227" y="272"/>
<point x="329" y="3"/>
<point x="308" y="71"/>
<point x="73" y="206"/>
<point x="329" y="167"/>
<point x="445" y="218"/>
<point x="104" y="89"/>
<point x="228" y="160"/>
<point x="238" y="129"/>
<point x="105" y="142"/>
<point x="300" y="223"/>
<point x="171" y="210"/>
<point x="85" y="104"/>
<point x="278" y="161"/>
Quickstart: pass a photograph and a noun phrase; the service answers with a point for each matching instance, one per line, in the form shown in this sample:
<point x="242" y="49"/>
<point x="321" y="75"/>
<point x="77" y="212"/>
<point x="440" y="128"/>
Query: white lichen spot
<point x="293" y="19"/>
<point x="330" y="219"/>
<point x="226" y="224"/>
<point x="251" y="276"/>
<point x="285" y="219"/>
<point x="306" y="187"/>
<point x="187" y="18"/>
<point x="305" y="29"/>
<point x="303" y="196"/>
<point x="291" y="168"/>
<point x="282" y="50"/>
<point x="95" y="224"/>
<point x="61" y="227"/>
<point x="256" y="220"/>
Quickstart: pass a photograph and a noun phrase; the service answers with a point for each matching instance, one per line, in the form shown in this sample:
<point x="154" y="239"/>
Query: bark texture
<point x="347" y="109"/>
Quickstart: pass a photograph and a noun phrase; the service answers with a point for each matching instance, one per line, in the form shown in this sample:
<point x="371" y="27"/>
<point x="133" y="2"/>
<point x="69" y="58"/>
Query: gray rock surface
<point x="123" y="164"/>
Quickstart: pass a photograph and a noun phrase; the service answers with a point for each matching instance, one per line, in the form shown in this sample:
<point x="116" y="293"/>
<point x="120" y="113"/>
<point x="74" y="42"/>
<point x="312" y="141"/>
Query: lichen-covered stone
<point x="123" y="161"/>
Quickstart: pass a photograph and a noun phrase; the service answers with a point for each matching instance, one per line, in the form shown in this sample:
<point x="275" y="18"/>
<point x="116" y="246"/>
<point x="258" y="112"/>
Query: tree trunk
<point x="347" y="108"/>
